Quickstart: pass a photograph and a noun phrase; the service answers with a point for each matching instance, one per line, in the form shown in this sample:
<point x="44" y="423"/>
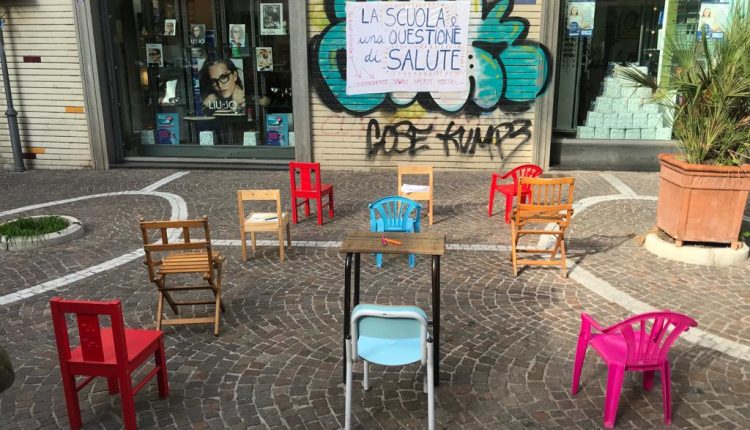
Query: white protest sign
<point x="406" y="46"/>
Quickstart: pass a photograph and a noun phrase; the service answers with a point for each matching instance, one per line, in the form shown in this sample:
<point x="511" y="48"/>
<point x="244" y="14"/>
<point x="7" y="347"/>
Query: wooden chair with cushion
<point x="180" y="257"/>
<point x="256" y="222"/>
<point x="546" y="211"/>
<point x="417" y="192"/>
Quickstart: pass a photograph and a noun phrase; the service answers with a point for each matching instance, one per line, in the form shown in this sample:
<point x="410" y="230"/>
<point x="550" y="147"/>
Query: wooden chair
<point x="550" y="202"/>
<point x="310" y="186"/>
<point x="113" y="352"/>
<point x="256" y="222"/>
<point x="419" y="195"/>
<point x="200" y="259"/>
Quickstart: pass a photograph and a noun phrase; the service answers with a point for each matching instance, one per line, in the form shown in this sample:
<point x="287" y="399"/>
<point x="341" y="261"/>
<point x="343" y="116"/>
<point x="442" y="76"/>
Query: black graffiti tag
<point x="466" y="142"/>
<point x="376" y="140"/>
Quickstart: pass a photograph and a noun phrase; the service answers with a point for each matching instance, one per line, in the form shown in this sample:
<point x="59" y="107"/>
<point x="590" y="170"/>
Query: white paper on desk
<point x="262" y="217"/>
<point x="410" y="188"/>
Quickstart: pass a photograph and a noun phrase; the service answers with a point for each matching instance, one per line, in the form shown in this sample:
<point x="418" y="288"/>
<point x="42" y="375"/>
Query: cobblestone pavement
<point x="507" y="343"/>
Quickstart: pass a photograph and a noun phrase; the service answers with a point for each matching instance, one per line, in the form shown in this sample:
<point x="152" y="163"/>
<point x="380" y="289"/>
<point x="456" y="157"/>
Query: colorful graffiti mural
<point x="506" y="70"/>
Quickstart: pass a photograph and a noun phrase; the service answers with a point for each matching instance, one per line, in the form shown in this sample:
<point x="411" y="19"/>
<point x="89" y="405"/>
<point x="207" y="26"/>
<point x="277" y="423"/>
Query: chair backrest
<point x="89" y="328"/>
<point x="389" y="322"/>
<point x="525" y="171"/>
<point x="547" y="196"/>
<point x="309" y="177"/>
<point x="649" y="336"/>
<point x="258" y="195"/>
<point x="415" y="170"/>
<point x="395" y="212"/>
<point x="163" y="244"/>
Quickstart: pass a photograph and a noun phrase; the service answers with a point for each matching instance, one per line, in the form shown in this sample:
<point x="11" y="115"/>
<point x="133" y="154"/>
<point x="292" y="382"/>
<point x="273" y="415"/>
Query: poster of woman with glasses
<point x="222" y="90"/>
<point x="153" y="54"/>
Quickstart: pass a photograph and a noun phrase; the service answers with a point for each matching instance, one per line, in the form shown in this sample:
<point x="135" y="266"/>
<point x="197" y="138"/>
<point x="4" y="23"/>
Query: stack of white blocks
<point x="624" y="111"/>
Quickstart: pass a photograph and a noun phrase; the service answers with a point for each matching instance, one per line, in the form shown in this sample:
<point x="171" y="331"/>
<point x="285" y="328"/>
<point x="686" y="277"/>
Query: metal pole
<point x="11" y="113"/>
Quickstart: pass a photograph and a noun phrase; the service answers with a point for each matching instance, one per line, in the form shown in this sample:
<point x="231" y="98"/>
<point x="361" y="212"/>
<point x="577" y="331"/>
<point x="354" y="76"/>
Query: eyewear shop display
<point x="202" y="78"/>
<point x="603" y="43"/>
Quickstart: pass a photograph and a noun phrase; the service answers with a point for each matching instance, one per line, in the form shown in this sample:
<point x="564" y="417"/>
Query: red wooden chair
<point x="112" y="352"/>
<point x="309" y="187"/>
<point x="510" y="189"/>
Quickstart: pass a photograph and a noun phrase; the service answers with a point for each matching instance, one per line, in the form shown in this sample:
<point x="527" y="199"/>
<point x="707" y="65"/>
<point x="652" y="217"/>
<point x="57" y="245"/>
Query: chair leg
<point x="217" y="314"/>
<point x="330" y="205"/>
<point x="666" y="392"/>
<point x="127" y="401"/>
<point x="71" y="399"/>
<point x="513" y="252"/>
<point x="307" y="207"/>
<point x="492" y="199"/>
<point x="288" y="235"/>
<point x="648" y="380"/>
<point x="612" y="397"/>
<point x="430" y="204"/>
<point x="348" y="388"/>
<point x="112" y="385"/>
<point x="281" y="244"/>
<point x="320" y="209"/>
<point x="379" y="260"/>
<point x="508" y="207"/>
<point x="366" y="379"/>
<point x="430" y="388"/>
<point x="161" y="376"/>
<point x="252" y="241"/>
<point x="581" y="347"/>
<point x="412" y="260"/>
<point x="159" y="310"/>
<point x="563" y="263"/>
<point x="294" y="210"/>
<point x="244" y="246"/>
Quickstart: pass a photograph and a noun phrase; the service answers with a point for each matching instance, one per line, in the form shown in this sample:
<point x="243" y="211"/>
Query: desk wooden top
<point x="413" y="243"/>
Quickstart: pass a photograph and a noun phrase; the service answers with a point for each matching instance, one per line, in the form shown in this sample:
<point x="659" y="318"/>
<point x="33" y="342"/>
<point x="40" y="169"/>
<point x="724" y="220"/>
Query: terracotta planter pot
<point x="701" y="203"/>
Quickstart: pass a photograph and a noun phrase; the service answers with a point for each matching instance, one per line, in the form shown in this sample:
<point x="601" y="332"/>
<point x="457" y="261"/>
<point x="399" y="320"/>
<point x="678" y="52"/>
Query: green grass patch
<point x="24" y="227"/>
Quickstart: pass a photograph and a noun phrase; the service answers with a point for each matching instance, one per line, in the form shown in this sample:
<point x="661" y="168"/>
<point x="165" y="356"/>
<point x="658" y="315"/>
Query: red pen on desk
<point x="392" y="241"/>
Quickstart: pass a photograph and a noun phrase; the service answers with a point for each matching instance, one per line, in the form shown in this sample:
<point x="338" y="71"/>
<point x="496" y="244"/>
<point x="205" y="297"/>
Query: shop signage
<point x="406" y="46"/>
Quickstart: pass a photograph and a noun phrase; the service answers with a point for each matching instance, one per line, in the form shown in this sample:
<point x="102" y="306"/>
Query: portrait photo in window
<point x="271" y="19"/>
<point x="154" y="54"/>
<point x="221" y="86"/>
<point x="264" y="59"/>
<point x="170" y="26"/>
<point x="197" y="34"/>
<point x="237" y="35"/>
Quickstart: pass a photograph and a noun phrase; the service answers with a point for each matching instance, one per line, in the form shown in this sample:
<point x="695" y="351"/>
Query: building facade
<point x="262" y="82"/>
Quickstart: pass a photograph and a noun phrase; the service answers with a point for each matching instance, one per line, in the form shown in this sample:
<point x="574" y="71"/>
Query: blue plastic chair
<point x="389" y="336"/>
<point x="394" y="214"/>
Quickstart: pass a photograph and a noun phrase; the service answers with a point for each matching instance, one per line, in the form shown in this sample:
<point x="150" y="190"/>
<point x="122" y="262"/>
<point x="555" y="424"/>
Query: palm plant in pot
<point x="703" y="189"/>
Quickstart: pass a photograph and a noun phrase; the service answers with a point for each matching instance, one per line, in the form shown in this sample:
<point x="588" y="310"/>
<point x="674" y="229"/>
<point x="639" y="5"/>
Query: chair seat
<point x="260" y="221"/>
<point x="304" y="194"/>
<point x="387" y="351"/>
<point x="136" y="342"/>
<point x="187" y="262"/>
<point x="407" y="228"/>
<point x="612" y="347"/>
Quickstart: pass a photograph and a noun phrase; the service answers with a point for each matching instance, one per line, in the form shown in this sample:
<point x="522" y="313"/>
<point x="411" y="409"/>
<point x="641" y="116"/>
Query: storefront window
<point x="202" y="78"/>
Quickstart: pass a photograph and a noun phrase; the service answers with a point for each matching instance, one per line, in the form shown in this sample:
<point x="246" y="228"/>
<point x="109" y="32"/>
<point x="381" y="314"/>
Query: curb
<point x="73" y="231"/>
<point x="701" y="255"/>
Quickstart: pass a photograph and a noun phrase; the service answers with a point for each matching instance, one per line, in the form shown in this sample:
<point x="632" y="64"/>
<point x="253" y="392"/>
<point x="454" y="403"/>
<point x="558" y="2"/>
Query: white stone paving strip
<point x="577" y="273"/>
<point x="178" y="211"/>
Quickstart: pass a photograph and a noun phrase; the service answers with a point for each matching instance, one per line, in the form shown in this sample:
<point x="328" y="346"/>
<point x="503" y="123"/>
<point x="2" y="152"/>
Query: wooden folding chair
<point x="256" y="222"/>
<point x="199" y="259"/>
<point x="550" y="204"/>
<point x="418" y="195"/>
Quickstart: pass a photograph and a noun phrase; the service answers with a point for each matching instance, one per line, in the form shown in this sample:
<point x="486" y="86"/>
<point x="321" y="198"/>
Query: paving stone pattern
<point x="507" y="343"/>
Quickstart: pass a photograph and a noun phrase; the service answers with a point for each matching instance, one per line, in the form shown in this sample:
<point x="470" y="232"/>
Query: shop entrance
<point x="201" y="78"/>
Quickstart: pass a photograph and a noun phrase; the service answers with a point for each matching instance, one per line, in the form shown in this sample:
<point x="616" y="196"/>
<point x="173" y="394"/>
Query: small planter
<point x="74" y="230"/>
<point x="701" y="203"/>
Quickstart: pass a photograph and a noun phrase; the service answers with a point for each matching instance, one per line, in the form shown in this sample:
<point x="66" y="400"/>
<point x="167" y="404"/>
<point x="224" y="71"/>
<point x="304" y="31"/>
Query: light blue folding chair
<point x="394" y="214"/>
<point x="389" y="336"/>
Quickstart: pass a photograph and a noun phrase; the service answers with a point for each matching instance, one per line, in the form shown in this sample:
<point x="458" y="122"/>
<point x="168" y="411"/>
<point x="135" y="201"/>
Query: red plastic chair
<point x="112" y="352"/>
<point x="309" y="187"/>
<point x="639" y="344"/>
<point x="510" y="190"/>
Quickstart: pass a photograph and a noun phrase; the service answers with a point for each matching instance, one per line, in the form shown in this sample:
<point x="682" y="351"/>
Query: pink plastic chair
<point x="640" y="344"/>
<point x="510" y="190"/>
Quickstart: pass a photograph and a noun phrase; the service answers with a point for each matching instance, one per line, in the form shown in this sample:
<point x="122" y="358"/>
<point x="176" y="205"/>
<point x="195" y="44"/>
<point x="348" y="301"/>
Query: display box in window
<point x="277" y="128"/>
<point x="167" y="128"/>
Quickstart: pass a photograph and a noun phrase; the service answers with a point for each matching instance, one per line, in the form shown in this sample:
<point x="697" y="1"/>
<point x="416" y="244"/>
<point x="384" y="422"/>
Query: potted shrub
<point x="703" y="189"/>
